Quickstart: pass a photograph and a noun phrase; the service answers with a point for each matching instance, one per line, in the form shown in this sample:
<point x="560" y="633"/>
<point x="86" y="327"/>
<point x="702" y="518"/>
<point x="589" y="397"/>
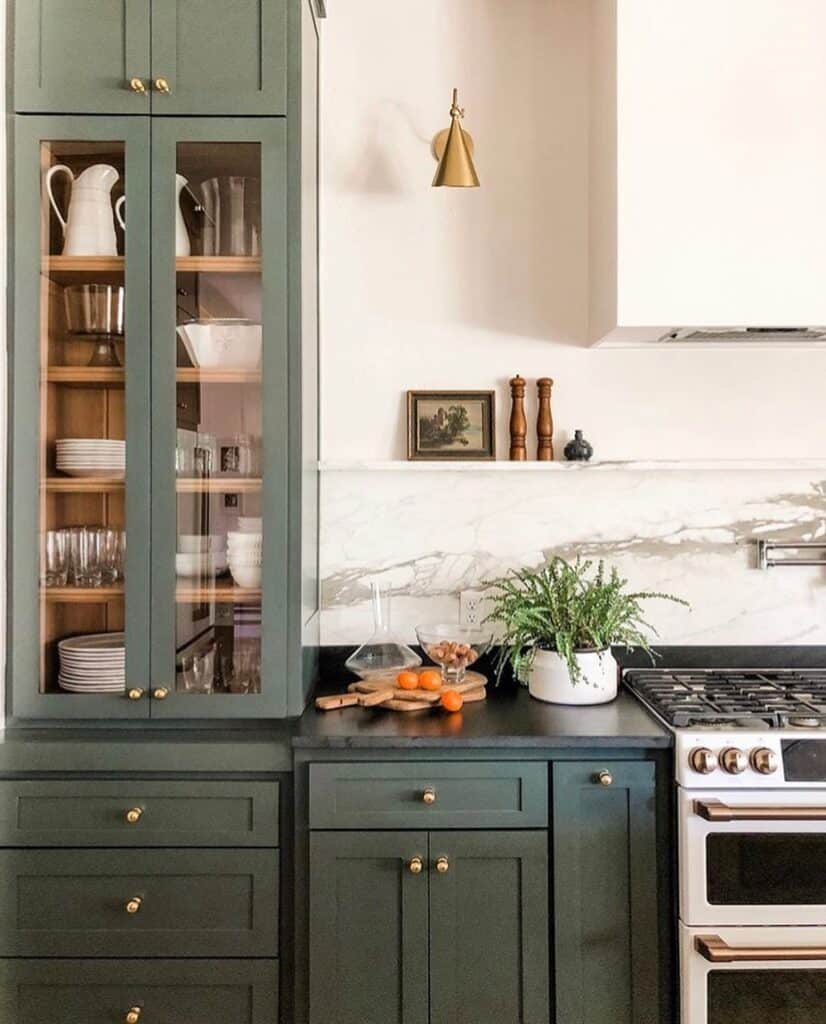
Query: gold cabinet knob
<point x="134" y="905"/>
<point x="443" y="865"/>
<point x="415" y="866"/>
<point x="161" y="693"/>
<point x="136" y="85"/>
<point x="133" y="1016"/>
<point x="162" y="85"/>
<point x="133" y="815"/>
<point x="604" y="778"/>
<point x="135" y="693"/>
<point x="429" y="795"/>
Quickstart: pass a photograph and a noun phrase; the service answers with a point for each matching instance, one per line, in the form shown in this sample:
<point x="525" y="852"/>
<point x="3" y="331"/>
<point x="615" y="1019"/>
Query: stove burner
<point x="733" y="698"/>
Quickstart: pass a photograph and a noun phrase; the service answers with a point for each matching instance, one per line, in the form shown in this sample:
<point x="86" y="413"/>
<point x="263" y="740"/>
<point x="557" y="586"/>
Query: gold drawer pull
<point x="161" y="693"/>
<point x="604" y="778"/>
<point x="443" y="865"/>
<point x="134" y="1015"/>
<point x="135" y="693"/>
<point x="718" y="951"/>
<point x="162" y="85"/>
<point x="716" y="810"/>
<point x="415" y="866"/>
<point x="429" y="796"/>
<point x="134" y="905"/>
<point x="136" y="85"/>
<point x="134" y="814"/>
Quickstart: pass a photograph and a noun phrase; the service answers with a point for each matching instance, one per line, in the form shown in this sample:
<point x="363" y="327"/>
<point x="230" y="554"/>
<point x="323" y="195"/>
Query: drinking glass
<point x="56" y="558"/>
<point x="85" y="557"/>
<point x="198" y="672"/>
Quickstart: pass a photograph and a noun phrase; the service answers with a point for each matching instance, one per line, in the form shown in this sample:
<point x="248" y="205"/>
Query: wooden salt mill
<point x="545" y="421"/>
<point x="519" y="422"/>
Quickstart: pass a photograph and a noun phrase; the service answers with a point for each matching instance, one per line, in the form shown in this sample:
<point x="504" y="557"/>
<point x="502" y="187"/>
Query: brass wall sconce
<point x="453" y="148"/>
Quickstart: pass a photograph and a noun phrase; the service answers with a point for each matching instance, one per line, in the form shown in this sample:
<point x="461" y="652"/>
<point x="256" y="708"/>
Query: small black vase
<point x="578" y="450"/>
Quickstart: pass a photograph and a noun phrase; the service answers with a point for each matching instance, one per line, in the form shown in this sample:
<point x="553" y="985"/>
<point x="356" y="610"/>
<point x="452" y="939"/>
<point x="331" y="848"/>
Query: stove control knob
<point x="764" y="760"/>
<point x="734" y="761"/>
<point x="702" y="760"/>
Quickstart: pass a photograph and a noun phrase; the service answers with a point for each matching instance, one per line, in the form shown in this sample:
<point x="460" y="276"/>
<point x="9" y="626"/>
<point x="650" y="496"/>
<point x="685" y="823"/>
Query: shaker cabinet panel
<point x="219" y="58"/>
<point x="80" y="56"/>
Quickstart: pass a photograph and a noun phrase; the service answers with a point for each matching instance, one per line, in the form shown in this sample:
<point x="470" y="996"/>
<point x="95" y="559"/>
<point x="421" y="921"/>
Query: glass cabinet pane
<point x="82" y="441"/>
<point x="219" y="453"/>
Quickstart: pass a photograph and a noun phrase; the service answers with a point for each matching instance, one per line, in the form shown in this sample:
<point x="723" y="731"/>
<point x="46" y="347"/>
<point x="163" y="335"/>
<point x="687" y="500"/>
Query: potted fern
<point x="559" y="623"/>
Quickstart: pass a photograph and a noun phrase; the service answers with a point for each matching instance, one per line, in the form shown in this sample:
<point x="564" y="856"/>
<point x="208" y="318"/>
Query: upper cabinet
<point x="707" y="207"/>
<point x="151" y="56"/>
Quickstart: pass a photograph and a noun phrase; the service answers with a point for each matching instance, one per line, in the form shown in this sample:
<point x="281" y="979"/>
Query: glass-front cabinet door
<point x="79" y="638"/>
<point x="219" y="399"/>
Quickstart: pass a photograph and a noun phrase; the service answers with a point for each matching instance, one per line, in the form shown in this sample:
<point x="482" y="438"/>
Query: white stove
<point x="750" y="749"/>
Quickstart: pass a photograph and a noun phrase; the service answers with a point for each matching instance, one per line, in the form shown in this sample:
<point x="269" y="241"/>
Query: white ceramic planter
<point x="550" y="679"/>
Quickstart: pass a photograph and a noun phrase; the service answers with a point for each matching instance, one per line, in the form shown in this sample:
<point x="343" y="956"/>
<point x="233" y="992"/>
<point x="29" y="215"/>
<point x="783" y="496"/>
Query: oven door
<point x="753" y="975"/>
<point x="753" y="858"/>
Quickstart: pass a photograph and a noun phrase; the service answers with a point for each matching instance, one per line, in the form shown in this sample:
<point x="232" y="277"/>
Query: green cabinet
<point x="429" y="927"/>
<point x="158" y="56"/>
<point x="606" y="893"/>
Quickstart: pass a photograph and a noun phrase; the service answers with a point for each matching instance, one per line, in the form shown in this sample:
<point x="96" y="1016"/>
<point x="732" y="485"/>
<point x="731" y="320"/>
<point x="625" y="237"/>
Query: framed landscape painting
<point x="451" y="425"/>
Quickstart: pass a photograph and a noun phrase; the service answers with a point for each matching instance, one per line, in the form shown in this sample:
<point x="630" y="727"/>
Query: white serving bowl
<point x="246" y="575"/>
<point x="222" y="344"/>
<point x="191" y="543"/>
<point x="188" y="564"/>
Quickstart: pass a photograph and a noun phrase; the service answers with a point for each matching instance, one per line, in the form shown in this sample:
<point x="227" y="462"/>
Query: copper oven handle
<point x="716" y="810"/>
<point x="718" y="951"/>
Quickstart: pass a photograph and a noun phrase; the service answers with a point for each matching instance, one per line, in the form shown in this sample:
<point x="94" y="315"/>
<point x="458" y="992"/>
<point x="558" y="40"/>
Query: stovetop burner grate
<point x="733" y="698"/>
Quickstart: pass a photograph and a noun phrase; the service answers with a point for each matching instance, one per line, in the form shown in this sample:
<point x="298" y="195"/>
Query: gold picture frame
<point x="444" y="426"/>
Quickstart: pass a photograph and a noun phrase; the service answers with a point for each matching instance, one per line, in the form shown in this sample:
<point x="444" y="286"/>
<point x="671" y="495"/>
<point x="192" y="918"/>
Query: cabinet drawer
<point x="183" y="903"/>
<point x="103" y="992"/>
<point x="137" y="813"/>
<point x="405" y="794"/>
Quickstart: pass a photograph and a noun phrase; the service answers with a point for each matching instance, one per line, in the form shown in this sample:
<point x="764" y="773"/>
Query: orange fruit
<point x="452" y="701"/>
<point x="430" y="679"/>
<point x="407" y="680"/>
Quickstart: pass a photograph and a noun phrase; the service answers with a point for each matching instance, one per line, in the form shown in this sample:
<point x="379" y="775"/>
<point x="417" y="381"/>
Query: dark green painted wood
<point x="368" y="929"/>
<point x="78" y="56"/>
<point x="271" y="134"/>
<point x="171" y="992"/>
<point x="489" y="928"/>
<point x="24" y="701"/>
<point x="389" y="794"/>
<point x="220" y="58"/>
<point x="191" y="813"/>
<point x="196" y="903"/>
<point x="605" y="894"/>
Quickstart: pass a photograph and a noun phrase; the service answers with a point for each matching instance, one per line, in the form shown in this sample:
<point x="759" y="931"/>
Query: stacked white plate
<point x="245" y="556"/>
<point x="93" y="664"/>
<point x="79" y="456"/>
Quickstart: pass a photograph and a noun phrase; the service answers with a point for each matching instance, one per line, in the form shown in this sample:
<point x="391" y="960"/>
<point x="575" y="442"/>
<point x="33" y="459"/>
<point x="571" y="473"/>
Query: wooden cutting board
<point x="382" y="691"/>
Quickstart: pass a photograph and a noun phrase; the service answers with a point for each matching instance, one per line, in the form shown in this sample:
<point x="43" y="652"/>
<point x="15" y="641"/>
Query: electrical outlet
<point x="473" y="607"/>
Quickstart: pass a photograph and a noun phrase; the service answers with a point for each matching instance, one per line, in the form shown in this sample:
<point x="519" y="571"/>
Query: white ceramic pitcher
<point x="182" y="243"/>
<point x="89" y="227"/>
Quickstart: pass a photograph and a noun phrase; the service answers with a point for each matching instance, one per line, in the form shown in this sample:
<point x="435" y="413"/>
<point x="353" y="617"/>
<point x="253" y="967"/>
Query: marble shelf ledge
<point x="639" y="466"/>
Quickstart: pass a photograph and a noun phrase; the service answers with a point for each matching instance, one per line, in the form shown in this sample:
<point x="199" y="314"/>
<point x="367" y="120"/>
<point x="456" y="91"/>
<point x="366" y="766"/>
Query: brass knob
<point x="703" y="760"/>
<point x="734" y="761"/>
<point x="133" y="815"/>
<point x="161" y="693"/>
<point x="134" y="1015"/>
<point x="162" y="85"/>
<point x="764" y="760"/>
<point x="443" y="865"/>
<point x="416" y="866"/>
<point x="136" y="85"/>
<point x="604" y="778"/>
<point x="429" y="795"/>
<point x="134" y="905"/>
<point x="135" y="693"/>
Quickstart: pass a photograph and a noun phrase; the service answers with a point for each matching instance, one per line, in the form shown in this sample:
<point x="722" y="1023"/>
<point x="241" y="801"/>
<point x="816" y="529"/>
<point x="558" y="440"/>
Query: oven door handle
<point x="716" y="810"/>
<point x="718" y="951"/>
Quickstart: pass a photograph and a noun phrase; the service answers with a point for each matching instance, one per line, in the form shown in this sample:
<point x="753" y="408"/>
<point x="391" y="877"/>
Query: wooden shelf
<point x="218" y="264"/>
<point x="215" y="485"/>
<point x="194" y="375"/>
<point x="221" y="593"/>
<point x="84" y="484"/>
<point x="81" y="595"/>
<point x="87" y="376"/>
<point x="57" y="265"/>
<point x="65" y="269"/>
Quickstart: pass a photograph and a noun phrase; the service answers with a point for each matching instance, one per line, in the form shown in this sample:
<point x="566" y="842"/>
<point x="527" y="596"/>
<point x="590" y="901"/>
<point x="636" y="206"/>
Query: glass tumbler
<point x="85" y="557"/>
<point x="56" y="558"/>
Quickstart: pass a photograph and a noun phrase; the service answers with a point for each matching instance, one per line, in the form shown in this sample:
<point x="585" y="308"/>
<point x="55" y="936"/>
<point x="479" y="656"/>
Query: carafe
<point x="382" y="653"/>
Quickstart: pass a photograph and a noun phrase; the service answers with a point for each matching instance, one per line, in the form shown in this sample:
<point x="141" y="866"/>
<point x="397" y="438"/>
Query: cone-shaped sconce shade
<point x="456" y="169"/>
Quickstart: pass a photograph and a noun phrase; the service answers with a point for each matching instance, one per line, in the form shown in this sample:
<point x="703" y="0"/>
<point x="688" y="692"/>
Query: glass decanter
<point x="382" y="653"/>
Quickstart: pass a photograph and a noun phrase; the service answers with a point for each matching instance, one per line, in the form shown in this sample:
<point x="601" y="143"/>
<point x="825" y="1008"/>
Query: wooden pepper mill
<point x="545" y="421"/>
<point x="519" y="422"/>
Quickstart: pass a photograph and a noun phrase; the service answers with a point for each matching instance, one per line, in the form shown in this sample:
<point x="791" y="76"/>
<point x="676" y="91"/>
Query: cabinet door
<point x="219" y="58"/>
<point x="219" y="480"/>
<point x="368" y="928"/>
<point x="80" y="56"/>
<point x="80" y="423"/>
<point x="175" y="992"/>
<point x="605" y="893"/>
<point x="489" y="927"/>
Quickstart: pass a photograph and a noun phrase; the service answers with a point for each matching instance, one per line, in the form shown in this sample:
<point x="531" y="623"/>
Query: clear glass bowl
<point x="454" y="648"/>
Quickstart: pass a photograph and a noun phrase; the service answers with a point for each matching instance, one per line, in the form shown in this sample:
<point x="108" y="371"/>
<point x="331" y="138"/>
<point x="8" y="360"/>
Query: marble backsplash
<point x="692" y="532"/>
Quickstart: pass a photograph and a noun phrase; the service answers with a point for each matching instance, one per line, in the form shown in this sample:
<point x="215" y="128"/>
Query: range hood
<point x="748" y="335"/>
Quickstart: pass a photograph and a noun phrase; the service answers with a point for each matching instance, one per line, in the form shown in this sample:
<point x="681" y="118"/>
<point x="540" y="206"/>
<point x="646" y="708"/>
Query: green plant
<point x="566" y="608"/>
